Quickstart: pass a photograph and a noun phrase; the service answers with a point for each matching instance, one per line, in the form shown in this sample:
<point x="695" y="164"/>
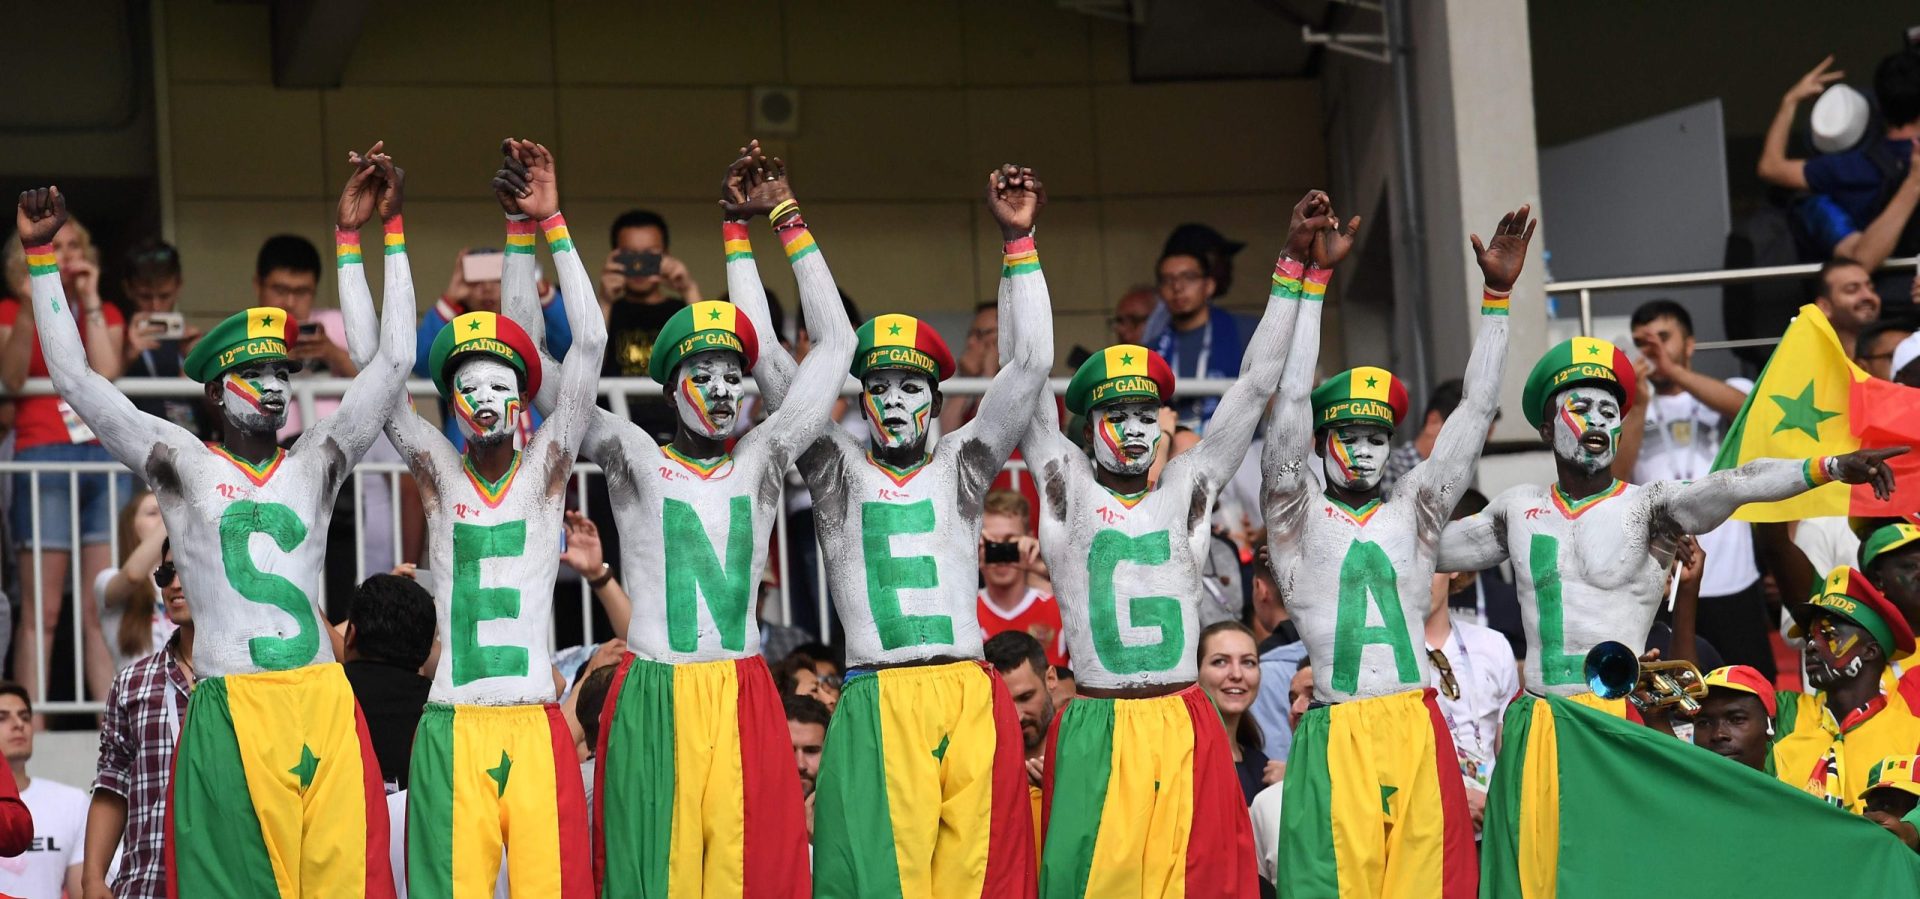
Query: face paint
<point x="1356" y="456"/>
<point x="1125" y="436"/>
<point x="897" y="405"/>
<point x="1586" y="427"/>
<point x="1832" y="655"/>
<point x="486" y="401"/>
<point x="254" y="397"/>
<point x="708" y="392"/>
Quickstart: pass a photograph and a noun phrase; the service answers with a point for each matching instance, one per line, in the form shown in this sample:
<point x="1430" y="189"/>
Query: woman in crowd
<point x="130" y="614"/>
<point x="1230" y="673"/>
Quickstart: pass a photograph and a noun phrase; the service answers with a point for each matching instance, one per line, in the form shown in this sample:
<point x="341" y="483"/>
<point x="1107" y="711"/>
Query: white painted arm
<point x="1230" y="431"/>
<point x="364" y="409"/>
<point x="1026" y="354"/>
<point x="807" y="411"/>
<point x="1287" y="487"/>
<point x="1442" y="477"/>
<point x="775" y="369"/>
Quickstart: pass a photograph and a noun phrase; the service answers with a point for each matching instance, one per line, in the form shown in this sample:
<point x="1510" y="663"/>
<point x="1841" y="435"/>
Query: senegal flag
<point x="1584" y="804"/>
<point x="1811" y="400"/>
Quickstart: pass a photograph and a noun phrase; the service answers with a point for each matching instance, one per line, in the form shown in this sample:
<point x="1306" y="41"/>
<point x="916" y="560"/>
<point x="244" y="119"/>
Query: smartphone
<point x="167" y="325"/>
<point x="481" y="265"/>
<point x="1002" y="552"/>
<point x="308" y="329"/>
<point x="639" y="263"/>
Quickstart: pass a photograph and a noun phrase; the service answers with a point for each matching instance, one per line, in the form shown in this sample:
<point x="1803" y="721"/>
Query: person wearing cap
<point x="695" y="788"/>
<point x="898" y="516"/>
<point x="1900" y="367"/>
<point x="1375" y="742"/>
<point x="1892" y="798"/>
<point x="1736" y="717"/>
<point x="1591" y="553"/>
<point x="492" y="701"/>
<point x="1142" y="743"/>
<point x="1829" y="739"/>
<point x="274" y="781"/>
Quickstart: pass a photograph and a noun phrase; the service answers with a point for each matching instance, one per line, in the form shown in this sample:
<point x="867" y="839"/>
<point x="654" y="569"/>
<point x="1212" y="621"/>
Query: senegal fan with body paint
<point x="275" y="788"/>
<point x="923" y="787"/>
<point x="696" y="793"/>
<point x="1374" y="802"/>
<point x="1139" y="792"/>
<point x="493" y="764"/>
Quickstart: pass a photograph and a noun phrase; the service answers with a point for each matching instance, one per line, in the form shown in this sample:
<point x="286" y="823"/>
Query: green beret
<point x="260" y="334"/>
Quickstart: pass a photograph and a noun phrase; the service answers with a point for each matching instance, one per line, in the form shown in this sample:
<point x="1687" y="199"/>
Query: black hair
<point x="286" y="251"/>
<point x="1828" y="267"/>
<point x="10" y="688"/>
<point x="590" y="699"/>
<point x="1214" y="250"/>
<point x="806" y="710"/>
<point x="1062" y="672"/>
<point x="1873" y="329"/>
<point x="1651" y="310"/>
<point x="151" y="259"/>
<point x="1006" y="650"/>
<point x="1445" y="398"/>
<point x="775" y="312"/>
<point x="392" y="619"/>
<point x="639" y="218"/>
<point x="821" y="652"/>
<point x="1896" y="86"/>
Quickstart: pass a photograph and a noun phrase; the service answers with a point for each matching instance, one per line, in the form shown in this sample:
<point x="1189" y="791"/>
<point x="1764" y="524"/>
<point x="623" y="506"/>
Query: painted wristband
<point x="558" y="238"/>
<point x="733" y="235"/>
<point x="797" y="240"/>
<point x="1493" y="302"/>
<point x="346" y="247"/>
<point x="520" y="235"/>
<point x="41" y="261"/>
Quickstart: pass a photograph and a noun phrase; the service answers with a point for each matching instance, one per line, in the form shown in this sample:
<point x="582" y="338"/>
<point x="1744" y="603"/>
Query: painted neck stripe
<point x="705" y="468"/>
<point x="1128" y="499"/>
<point x="1574" y="508"/>
<point x="491" y="492"/>
<point x="899" y="476"/>
<point x="258" y="474"/>
<point x="1361" y="515"/>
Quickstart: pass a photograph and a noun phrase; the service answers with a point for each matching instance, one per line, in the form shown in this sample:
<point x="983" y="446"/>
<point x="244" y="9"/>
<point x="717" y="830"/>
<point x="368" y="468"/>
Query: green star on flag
<point x="893" y="328"/>
<point x="1800" y="414"/>
<point x="713" y="314"/>
<point x="499" y="772"/>
<point x="309" y="765"/>
<point x="266" y="321"/>
<point x="1373" y="381"/>
<point x="1126" y="358"/>
<point x="473" y="325"/>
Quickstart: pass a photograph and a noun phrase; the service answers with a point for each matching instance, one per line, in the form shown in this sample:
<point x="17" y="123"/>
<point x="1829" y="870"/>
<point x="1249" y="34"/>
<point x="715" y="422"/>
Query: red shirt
<point x="39" y="420"/>
<point x="1037" y="614"/>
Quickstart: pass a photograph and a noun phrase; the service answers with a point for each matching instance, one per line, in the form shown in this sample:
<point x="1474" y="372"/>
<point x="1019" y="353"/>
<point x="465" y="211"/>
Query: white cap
<point x="1840" y="119"/>
<point x="1904" y="352"/>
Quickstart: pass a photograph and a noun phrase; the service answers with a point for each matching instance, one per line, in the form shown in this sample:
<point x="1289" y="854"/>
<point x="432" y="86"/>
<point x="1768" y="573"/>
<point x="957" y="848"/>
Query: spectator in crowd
<point x="1475" y="675"/>
<point x="1230" y="674"/>
<point x="1672" y="433"/>
<point x="590" y="700"/>
<point x="1210" y="246"/>
<point x="135" y="768"/>
<point x="1200" y="340"/>
<point x="132" y="617"/>
<point x="158" y="338"/>
<point x="1848" y="299"/>
<point x="827" y="660"/>
<point x="641" y="287"/>
<point x="796" y="676"/>
<point x="1129" y="320"/>
<point x="1736" y="717"/>
<point x="807" y="722"/>
<point x="1009" y="562"/>
<point x="389" y="635"/>
<point x="777" y="641"/>
<point x="1893" y="796"/>
<point x="1030" y="679"/>
<point x="1064" y="686"/>
<point x="1281" y="654"/>
<point x="579" y="704"/>
<point x="980" y="359"/>
<point x="1265" y="807"/>
<point x="475" y="287"/>
<point x="1440" y="403"/>
<point x="1871" y="188"/>
<point x="1874" y="351"/>
<point x="52" y="866"/>
<point x="45" y="430"/>
<point x="586" y="555"/>
<point x="1904" y="372"/>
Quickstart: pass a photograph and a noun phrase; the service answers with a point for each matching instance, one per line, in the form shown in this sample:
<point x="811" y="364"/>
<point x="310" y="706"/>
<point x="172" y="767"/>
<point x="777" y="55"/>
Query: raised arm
<point x="1444" y="475"/>
<point x="1286" y="485"/>
<point x="1696" y="507"/>
<point x="1476" y="542"/>
<point x="1873" y="245"/>
<point x="128" y="433"/>
<point x="746" y="192"/>
<point x="1015" y="197"/>
<point x="1775" y="168"/>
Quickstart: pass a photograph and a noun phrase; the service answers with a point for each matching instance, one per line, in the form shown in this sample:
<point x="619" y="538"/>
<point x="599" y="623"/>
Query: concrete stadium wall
<point x="903" y="110"/>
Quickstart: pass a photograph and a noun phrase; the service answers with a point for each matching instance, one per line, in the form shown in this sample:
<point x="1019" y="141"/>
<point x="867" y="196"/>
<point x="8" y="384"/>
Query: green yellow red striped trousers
<point x="1141" y="800"/>
<point x="276" y="791"/>
<point x="922" y="791"/>
<point x="492" y="778"/>
<point x="695" y="789"/>
<point x="1375" y="805"/>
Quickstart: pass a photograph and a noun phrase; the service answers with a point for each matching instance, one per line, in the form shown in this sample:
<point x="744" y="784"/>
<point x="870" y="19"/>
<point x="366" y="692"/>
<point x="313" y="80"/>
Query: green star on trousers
<point x="499" y="772"/>
<point x="1386" y="793"/>
<point x="309" y="764"/>
<point x="1800" y="414"/>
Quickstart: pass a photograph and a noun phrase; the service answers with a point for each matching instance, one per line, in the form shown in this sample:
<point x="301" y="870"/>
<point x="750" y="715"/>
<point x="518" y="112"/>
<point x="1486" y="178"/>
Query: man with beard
<point x="1140" y="790"/>
<point x="1847" y="298"/>
<point x="492" y="766"/>
<point x="1736" y="718"/>
<point x="272" y="735"/>
<point x="1372" y="812"/>
<point x="921" y="783"/>
<point x="1831" y="738"/>
<point x="1022" y="663"/>
<point x="695" y="787"/>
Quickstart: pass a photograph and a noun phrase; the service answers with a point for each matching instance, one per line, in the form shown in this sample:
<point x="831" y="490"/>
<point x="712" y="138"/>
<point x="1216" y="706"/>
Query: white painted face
<point x="254" y="396"/>
<point x="1355" y="455"/>
<point x="1125" y="435"/>
<point x="898" y="405"/>
<point x="486" y="400"/>
<point x="707" y="392"/>
<point x="1586" y="426"/>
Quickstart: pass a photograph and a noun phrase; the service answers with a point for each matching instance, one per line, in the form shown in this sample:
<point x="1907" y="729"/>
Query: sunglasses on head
<point x="163" y="575"/>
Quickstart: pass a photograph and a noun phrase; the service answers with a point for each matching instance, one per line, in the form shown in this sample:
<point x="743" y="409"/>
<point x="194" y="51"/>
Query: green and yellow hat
<point x="488" y="334"/>
<point x="1582" y="360"/>
<point x="1895" y="772"/>
<point x="1123" y="372"/>
<point x="1847" y="594"/>
<point x="1886" y="539"/>
<point x="1364" y="395"/>
<point x="905" y="342"/>
<point x="702" y="327"/>
<point x="260" y="334"/>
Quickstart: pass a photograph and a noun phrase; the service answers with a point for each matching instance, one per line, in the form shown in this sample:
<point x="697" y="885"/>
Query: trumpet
<point x="1614" y="671"/>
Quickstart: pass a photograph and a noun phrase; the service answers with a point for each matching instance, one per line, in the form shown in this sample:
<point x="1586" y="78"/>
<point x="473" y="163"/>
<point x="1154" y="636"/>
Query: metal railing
<point x="1586" y="287"/>
<point x="616" y="391"/>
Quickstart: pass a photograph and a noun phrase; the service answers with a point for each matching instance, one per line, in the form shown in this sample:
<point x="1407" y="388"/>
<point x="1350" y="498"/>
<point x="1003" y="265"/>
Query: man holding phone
<point x="475" y="287"/>
<point x="641" y="287"/>
<point x="157" y="336"/>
